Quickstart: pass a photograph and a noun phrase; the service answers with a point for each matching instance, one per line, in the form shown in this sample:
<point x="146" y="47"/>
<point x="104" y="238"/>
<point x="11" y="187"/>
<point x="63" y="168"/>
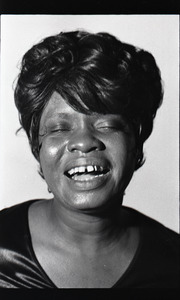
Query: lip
<point x="93" y="183"/>
<point x="79" y="162"/>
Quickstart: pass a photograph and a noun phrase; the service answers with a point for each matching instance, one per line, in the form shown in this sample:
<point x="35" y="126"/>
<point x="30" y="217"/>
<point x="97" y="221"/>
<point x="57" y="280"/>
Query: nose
<point x="85" y="142"/>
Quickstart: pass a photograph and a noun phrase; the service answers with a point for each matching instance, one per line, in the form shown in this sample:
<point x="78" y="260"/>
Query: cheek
<point x="122" y="153"/>
<point x="52" y="151"/>
<point x="48" y="153"/>
<point x="48" y="157"/>
<point x="52" y="156"/>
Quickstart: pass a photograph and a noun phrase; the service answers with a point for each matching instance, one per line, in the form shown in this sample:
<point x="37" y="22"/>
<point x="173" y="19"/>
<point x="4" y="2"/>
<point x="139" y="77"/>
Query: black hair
<point x="93" y="73"/>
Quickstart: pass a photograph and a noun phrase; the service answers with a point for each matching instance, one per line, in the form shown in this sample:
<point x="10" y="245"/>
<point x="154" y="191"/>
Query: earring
<point x="49" y="190"/>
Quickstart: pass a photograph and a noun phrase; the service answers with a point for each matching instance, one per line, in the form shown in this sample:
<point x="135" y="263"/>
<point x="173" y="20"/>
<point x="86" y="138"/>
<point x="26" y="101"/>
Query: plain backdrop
<point x="154" y="189"/>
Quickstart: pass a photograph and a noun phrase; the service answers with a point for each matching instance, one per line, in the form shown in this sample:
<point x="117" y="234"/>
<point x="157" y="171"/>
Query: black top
<point x="155" y="264"/>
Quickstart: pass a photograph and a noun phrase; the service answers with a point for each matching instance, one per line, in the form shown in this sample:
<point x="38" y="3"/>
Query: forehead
<point x="57" y="108"/>
<point x="55" y="105"/>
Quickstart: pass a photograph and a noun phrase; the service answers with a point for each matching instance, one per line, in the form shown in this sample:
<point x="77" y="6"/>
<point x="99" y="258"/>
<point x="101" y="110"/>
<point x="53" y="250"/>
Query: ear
<point x="35" y="151"/>
<point x="139" y="158"/>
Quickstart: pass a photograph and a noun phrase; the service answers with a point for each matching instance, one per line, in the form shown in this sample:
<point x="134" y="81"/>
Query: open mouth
<point x="86" y="173"/>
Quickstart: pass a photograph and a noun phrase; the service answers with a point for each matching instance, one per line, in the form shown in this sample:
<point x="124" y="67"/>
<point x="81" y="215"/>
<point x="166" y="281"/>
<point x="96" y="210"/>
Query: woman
<point x="87" y="103"/>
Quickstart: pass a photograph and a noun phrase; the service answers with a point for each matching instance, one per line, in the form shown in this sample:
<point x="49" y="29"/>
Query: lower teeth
<point x="85" y="177"/>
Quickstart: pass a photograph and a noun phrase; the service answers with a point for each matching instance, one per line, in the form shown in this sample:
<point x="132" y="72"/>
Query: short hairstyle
<point x="93" y="73"/>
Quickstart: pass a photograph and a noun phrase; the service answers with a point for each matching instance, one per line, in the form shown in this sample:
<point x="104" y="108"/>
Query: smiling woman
<point x="77" y="158"/>
<point x="87" y="103"/>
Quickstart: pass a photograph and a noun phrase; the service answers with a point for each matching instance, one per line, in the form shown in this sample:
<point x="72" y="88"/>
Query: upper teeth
<point x="83" y="169"/>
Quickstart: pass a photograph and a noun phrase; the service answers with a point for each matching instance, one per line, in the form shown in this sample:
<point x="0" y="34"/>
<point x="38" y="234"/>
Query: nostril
<point x="85" y="144"/>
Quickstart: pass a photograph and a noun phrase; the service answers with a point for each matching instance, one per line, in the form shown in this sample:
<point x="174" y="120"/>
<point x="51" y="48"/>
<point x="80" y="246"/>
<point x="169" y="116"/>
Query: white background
<point x="154" y="188"/>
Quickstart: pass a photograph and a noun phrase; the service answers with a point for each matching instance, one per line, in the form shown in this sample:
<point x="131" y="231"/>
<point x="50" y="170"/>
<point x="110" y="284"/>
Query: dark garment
<point x="155" y="264"/>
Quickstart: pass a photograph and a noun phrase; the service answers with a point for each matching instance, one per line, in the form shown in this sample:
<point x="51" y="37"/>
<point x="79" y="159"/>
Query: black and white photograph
<point x="89" y="151"/>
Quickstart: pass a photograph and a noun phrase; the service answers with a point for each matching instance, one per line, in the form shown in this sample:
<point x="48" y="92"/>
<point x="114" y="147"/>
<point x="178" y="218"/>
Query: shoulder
<point x="18" y="264"/>
<point x="151" y="226"/>
<point x="14" y="211"/>
<point x="13" y="220"/>
<point x="157" y="240"/>
<point x="157" y="260"/>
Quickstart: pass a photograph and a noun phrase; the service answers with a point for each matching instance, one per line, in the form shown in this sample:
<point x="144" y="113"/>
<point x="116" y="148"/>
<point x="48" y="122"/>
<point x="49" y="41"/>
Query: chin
<point x="94" y="201"/>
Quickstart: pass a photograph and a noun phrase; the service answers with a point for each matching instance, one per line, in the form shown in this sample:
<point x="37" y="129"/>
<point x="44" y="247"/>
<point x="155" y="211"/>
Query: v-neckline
<point x="43" y="272"/>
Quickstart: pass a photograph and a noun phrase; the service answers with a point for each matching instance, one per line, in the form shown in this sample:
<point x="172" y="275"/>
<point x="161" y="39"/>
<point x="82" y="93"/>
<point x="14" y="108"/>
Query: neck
<point x="83" y="229"/>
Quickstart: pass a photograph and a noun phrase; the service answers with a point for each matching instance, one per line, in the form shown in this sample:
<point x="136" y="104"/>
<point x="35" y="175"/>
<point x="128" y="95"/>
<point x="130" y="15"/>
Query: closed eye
<point x="60" y="129"/>
<point x="112" y="127"/>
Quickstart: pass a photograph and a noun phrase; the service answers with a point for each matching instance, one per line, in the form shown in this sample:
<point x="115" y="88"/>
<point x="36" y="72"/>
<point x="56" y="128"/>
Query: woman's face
<point x="87" y="160"/>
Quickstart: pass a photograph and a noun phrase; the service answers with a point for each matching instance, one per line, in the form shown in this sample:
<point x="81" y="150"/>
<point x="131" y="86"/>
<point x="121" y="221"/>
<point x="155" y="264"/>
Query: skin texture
<point x="82" y="237"/>
<point x="69" y="139"/>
